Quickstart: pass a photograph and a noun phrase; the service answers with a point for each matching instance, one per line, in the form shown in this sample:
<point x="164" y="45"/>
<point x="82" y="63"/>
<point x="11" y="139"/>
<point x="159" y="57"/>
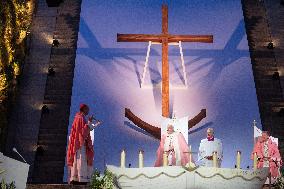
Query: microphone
<point x="15" y="150"/>
<point x="93" y="118"/>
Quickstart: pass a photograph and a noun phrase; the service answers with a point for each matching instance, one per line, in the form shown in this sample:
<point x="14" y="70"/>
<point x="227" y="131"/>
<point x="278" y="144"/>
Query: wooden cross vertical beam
<point x="165" y="25"/>
<point x="165" y="65"/>
<point x="165" y="80"/>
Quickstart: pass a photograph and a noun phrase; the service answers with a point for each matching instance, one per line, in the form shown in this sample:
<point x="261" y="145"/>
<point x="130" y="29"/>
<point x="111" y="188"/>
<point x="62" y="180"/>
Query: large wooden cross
<point x="164" y="38"/>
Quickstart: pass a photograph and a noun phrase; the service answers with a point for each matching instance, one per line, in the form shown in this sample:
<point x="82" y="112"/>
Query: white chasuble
<point x="207" y="148"/>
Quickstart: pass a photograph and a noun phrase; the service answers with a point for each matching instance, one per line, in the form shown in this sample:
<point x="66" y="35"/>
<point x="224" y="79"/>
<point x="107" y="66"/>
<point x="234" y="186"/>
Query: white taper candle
<point x="122" y="159"/>
<point x="214" y="159"/>
<point x="141" y="159"/>
<point x="254" y="161"/>
<point x="165" y="159"/>
<point x="238" y="159"/>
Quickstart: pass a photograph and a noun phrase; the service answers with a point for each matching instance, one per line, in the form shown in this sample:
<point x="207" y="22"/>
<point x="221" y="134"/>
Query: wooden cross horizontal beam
<point x="159" y="38"/>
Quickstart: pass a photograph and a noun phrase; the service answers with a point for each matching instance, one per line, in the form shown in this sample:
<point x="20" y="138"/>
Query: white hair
<point x="210" y="130"/>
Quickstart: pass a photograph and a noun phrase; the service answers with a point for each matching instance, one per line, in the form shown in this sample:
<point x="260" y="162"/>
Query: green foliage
<point x="102" y="182"/>
<point x="15" y="20"/>
<point x="1" y="170"/>
<point x="96" y="181"/>
<point x="16" y="68"/>
<point x="279" y="184"/>
<point x="3" y="83"/>
<point x="5" y="185"/>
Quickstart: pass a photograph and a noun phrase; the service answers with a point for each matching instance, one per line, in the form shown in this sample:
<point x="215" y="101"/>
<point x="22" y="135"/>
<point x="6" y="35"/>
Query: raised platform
<point x="56" y="186"/>
<point x="67" y="186"/>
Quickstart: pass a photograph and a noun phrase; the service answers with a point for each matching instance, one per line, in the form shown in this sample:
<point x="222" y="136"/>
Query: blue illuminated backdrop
<point x="108" y="75"/>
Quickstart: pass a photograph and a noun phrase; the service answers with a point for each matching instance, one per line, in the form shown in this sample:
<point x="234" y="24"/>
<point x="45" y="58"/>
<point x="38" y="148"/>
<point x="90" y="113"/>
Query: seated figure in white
<point x="174" y="144"/>
<point x="207" y="147"/>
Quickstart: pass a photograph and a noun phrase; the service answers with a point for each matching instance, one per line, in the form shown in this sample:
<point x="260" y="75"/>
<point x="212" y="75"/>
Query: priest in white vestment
<point x="207" y="147"/>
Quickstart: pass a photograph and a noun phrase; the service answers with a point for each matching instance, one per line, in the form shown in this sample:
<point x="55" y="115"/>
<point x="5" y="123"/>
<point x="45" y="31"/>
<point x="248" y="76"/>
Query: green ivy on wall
<point x="15" y="21"/>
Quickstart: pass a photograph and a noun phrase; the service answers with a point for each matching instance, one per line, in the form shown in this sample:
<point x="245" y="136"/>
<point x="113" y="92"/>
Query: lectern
<point x="14" y="171"/>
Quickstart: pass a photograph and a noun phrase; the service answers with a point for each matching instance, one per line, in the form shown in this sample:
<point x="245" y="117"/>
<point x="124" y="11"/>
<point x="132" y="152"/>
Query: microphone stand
<point x="15" y="150"/>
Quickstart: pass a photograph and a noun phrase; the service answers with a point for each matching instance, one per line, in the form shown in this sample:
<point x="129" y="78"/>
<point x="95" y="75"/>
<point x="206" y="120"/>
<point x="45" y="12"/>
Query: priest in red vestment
<point x="80" y="153"/>
<point x="268" y="154"/>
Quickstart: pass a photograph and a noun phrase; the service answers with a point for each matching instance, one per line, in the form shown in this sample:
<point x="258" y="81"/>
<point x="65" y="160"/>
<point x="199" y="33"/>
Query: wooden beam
<point x="165" y="80"/>
<point x="191" y="38"/>
<point x="165" y="65"/>
<point x="156" y="131"/>
<point x="152" y="130"/>
<point x="138" y="38"/>
<point x="165" y="19"/>
<point x="160" y="37"/>
<point x="194" y="121"/>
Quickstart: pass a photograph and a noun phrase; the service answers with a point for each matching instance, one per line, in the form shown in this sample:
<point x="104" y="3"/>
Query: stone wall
<point x="41" y="137"/>
<point x="263" y="25"/>
<point x="24" y="120"/>
<point x="52" y="137"/>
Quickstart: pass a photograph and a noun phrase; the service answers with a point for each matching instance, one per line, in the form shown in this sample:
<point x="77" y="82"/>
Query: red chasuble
<point x="79" y="136"/>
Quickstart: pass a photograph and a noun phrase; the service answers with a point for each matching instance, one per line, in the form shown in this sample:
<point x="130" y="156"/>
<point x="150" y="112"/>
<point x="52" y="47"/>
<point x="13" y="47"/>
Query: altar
<point x="170" y="177"/>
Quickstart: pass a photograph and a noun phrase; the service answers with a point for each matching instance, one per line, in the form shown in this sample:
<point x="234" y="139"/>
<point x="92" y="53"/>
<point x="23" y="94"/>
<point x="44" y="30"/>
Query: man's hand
<point x="91" y="118"/>
<point x="98" y="122"/>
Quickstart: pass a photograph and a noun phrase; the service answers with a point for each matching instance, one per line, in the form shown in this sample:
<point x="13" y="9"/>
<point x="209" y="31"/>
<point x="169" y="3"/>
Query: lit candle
<point x="141" y="159"/>
<point x="122" y="159"/>
<point x="238" y="159"/>
<point x="214" y="159"/>
<point x="165" y="159"/>
<point x="254" y="161"/>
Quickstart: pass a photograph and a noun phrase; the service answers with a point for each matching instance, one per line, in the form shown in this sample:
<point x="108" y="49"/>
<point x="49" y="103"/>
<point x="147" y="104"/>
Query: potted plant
<point x="1" y="170"/>
<point x="3" y="184"/>
<point x="102" y="182"/>
<point x="279" y="184"/>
